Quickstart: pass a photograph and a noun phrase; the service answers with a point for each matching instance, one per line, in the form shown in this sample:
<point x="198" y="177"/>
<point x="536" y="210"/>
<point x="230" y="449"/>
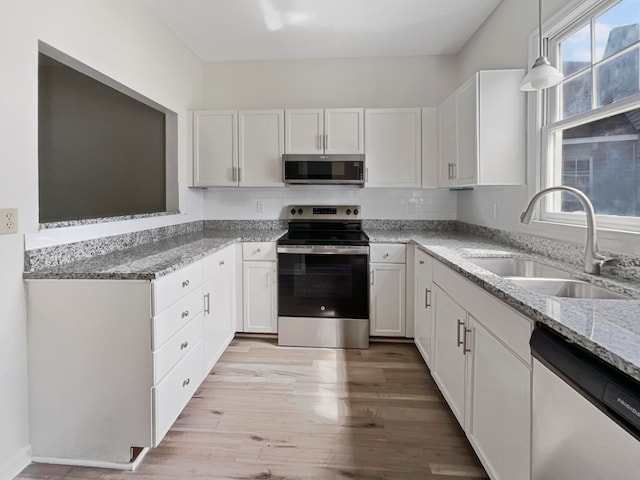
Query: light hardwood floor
<point x="281" y="413"/>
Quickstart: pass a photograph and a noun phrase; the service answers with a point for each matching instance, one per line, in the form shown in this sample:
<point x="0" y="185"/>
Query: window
<point x="590" y="135"/>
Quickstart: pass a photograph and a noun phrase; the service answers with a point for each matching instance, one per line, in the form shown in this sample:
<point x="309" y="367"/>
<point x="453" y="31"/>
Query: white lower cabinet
<point x="482" y="364"/>
<point x="449" y="366"/>
<point x="259" y="287"/>
<point x="423" y="304"/>
<point x="387" y="294"/>
<point x="219" y="311"/>
<point x="498" y="422"/>
<point x="113" y="362"/>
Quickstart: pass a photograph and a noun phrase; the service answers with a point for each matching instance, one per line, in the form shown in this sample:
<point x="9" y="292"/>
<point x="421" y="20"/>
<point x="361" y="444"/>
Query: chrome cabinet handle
<point x="326" y="140"/>
<point x="373" y="277"/>
<point x="465" y="350"/>
<point x="234" y="174"/>
<point x="427" y="295"/>
<point x="386" y="255"/>
<point x="185" y="283"/>
<point x="207" y="303"/>
<point x="185" y="313"/>
<point x="221" y="262"/>
<point x="239" y="174"/>
<point x="184" y="345"/>
<point x="421" y="262"/>
<point x="258" y="250"/>
<point x="460" y="324"/>
<point x="319" y="142"/>
<point x="186" y="382"/>
<point x="366" y="174"/>
<point x="453" y="170"/>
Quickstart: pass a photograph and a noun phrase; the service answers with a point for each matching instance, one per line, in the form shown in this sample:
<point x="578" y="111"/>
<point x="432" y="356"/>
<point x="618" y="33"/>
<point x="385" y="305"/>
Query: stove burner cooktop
<point x="324" y="225"/>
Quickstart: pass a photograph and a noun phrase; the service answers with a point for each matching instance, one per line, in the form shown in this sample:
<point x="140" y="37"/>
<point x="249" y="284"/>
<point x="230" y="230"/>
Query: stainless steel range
<point x="323" y="278"/>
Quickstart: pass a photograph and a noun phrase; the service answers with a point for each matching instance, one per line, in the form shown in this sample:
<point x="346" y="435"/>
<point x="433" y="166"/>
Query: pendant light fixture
<point x="542" y="75"/>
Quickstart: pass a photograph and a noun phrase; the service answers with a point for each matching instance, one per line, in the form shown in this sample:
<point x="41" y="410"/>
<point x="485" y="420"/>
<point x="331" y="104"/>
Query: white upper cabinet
<point x="215" y="149"/>
<point x="430" y="152"/>
<point x="482" y="131"/>
<point x="318" y="131"/>
<point x="344" y="130"/>
<point x="260" y="148"/>
<point x="233" y="148"/>
<point x="393" y="147"/>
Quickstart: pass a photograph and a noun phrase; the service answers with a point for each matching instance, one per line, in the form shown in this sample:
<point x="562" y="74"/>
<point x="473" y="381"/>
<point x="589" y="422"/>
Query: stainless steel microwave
<point x="323" y="169"/>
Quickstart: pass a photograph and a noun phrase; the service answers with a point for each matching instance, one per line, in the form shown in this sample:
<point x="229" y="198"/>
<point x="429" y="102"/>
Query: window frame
<point x="560" y="27"/>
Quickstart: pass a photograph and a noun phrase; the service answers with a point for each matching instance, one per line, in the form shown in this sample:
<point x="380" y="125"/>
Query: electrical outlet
<point x="8" y="220"/>
<point x="259" y="206"/>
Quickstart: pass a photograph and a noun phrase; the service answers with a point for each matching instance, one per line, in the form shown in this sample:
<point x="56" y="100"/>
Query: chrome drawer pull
<point x="221" y="262"/>
<point x="460" y="324"/>
<point x="185" y="283"/>
<point x="184" y="345"/>
<point x="427" y="297"/>
<point x="421" y="262"/>
<point x="385" y="255"/>
<point x="186" y="382"/>
<point x="207" y="305"/>
<point x="185" y="313"/>
<point x="465" y="350"/>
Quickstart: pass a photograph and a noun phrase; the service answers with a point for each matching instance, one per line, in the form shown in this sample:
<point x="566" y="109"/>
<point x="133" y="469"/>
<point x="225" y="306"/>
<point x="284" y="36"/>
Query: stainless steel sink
<point x="558" y="287"/>
<point x="518" y="267"/>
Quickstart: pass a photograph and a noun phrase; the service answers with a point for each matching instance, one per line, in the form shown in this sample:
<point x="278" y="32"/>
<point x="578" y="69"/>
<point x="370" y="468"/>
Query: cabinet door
<point x="387" y="296"/>
<point x="304" y="131"/>
<point x="448" y="357"/>
<point x="259" y="297"/>
<point x="393" y="147"/>
<point x="344" y="130"/>
<point x="430" y="153"/>
<point x="447" y="139"/>
<point x="467" y="132"/>
<point x="219" y="305"/>
<point x="424" y="304"/>
<point x="498" y="424"/>
<point x="260" y="148"/>
<point x="215" y="153"/>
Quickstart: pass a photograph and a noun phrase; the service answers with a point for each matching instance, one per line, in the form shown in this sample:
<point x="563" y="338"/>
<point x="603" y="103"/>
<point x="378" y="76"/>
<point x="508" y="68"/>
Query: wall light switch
<point x="8" y="220"/>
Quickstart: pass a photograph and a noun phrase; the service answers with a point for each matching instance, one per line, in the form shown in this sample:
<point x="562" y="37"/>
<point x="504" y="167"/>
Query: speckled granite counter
<point x="154" y="259"/>
<point x="608" y="328"/>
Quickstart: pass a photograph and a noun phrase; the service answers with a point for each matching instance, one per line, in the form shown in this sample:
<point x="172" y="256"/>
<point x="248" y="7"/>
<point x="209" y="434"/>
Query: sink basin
<point x="558" y="287"/>
<point x="518" y="267"/>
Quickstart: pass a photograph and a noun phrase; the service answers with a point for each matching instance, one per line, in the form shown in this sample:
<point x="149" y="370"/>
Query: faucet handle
<point x="609" y="261"/>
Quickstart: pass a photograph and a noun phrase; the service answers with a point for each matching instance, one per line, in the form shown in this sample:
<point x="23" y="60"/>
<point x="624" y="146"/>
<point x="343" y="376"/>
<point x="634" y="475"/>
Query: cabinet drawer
<point x="175" y="317"/>
<point x="423" y="261"/>
<point x="172" y="394"/>
<point x="387" y="253"/>
<point x="259" y="251"/>
<point x="167" y="290"/>
<point x="176" y="348"/>
<point x="224" y="258"/>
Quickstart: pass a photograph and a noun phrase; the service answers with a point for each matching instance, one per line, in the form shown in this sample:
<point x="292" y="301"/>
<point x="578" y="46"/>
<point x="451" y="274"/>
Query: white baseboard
<point x="94" y="463"/>
<point x="14" y="465"/>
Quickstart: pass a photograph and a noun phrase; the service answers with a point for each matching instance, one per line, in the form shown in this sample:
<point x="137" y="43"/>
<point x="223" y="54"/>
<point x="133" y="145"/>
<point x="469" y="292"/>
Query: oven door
<point x="323" y="281"/>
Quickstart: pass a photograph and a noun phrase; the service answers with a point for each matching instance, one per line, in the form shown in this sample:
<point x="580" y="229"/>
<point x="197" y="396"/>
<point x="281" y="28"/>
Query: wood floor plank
<point x="275" y="413"/>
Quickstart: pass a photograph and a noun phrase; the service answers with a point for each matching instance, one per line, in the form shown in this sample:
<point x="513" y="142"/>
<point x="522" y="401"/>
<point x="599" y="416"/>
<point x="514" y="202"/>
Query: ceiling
<point x="227" y="30"/>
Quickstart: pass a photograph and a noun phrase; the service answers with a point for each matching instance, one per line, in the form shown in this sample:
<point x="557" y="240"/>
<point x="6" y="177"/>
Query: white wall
<point x="122" y="40"/>
<point x="352" y="82"/>
<point x="503" y="42"/>
<point x="346" y="82"/>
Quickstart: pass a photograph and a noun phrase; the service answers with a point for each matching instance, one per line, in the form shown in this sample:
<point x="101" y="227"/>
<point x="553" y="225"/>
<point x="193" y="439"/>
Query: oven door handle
<point x="325" y="249"/>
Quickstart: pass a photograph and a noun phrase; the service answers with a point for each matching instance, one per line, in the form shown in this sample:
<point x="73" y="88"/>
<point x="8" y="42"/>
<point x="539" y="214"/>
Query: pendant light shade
<point x="542" y="75"/>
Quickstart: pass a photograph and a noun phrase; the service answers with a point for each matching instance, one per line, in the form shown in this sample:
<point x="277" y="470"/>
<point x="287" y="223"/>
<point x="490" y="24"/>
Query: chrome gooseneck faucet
<point x="593" y="259"/>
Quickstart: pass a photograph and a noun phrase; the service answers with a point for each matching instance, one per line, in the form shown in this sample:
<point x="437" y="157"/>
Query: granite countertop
<point x="155" y="259"/>
<point x="608" y="328"/>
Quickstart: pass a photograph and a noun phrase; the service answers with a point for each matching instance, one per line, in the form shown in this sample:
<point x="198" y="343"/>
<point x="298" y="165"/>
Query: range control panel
<point x="324" y="212"/>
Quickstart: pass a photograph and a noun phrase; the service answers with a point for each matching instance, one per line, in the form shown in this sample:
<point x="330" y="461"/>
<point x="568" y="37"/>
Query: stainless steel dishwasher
<point x="586" y="415"/>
